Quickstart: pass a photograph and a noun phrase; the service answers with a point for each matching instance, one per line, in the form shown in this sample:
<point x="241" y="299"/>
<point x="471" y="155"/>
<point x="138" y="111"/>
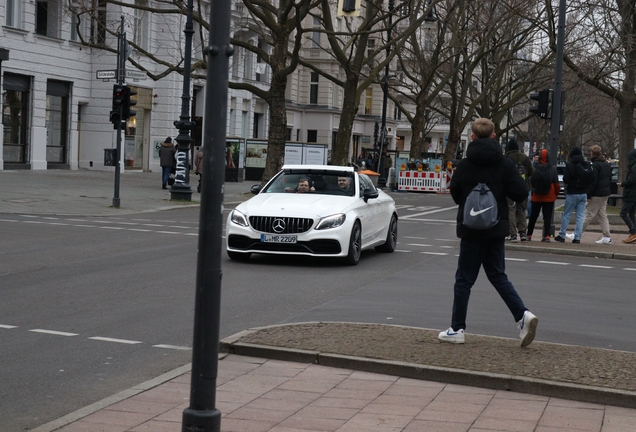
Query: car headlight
<point x="332" y="221"/>
<point x="238" y="218"/>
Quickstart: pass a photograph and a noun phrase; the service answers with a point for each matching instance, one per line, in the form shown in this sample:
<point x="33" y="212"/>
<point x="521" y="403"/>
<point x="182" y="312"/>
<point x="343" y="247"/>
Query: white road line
<point x="448" y="240"/>
<point x="418" y="244"/>
<point x="595" y="266"/>
<point x="446" y="247"/>
<point x="53" y="332"/>
<point x="9" y="220"/>
<point x="402" y="250"/>
<point x="111" y="227"/>
<point x="174" y="347"/>
<point x="429" y="212"/>
<point x="168" y="232"/>
<point x="6" y="326"/>
<point x="59" y="223"/>
<point x="434" y="253"/>
<point x="105" y="339"/>
<point x="553" y="262"/>
<point x="138" y="229"/>
<point x="418" y="238"/>
<point x="629" y="269"/>
<point x="517" y="259"/>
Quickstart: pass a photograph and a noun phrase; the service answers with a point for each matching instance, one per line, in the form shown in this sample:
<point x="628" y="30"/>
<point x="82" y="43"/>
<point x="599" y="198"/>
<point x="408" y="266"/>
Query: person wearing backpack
<point x="597" y="195"/>
<point x="517" y="216"/>
<point x="578" y="177"/>
<point x="545" y="190"/>
<point x="485" y="165"/>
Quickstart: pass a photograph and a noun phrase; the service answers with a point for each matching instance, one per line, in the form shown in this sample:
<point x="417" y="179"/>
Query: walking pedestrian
<point x="577" y="181"/>
<point x="485" y="163"/>
<point x="597" y="195"/>
<point x="167" y="152"/>
<point x="545" y="190"/>
<point x="628" y="210"/>
<point x="517" y="216"/>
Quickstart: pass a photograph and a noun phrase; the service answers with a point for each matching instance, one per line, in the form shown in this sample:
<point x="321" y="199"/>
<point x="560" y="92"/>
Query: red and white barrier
<point x="420" y="181"/>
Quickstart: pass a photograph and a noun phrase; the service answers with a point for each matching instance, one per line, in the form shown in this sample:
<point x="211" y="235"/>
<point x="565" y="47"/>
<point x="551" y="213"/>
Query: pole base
<point x="180" y="193"/>
<point x="201" y="421"/>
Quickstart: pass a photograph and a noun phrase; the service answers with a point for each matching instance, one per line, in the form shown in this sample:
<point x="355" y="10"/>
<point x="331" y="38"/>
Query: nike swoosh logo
<point x="475" y="213"/>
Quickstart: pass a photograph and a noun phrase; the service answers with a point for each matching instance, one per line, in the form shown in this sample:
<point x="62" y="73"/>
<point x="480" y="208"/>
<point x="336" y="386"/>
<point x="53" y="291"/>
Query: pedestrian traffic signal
<point x="118" y="96"/>
<point x="126" y="112"/>
<point x="543" y="107"/>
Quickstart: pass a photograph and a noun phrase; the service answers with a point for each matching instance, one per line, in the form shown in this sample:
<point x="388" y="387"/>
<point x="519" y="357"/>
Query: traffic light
<point x="127" y="102"/>
<point x="543" y="106"/>
<point x="118" y="97"/>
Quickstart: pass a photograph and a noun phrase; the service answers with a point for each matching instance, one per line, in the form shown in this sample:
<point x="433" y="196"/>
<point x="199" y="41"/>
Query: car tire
<point x="355" y="245"/>
<point x="391" y="237"/>
<point x="238" y="256"/>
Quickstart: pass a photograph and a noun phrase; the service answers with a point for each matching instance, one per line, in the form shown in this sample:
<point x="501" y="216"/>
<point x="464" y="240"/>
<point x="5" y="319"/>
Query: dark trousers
<point x="489" y="253"/>
<point x="547" y="208"/>
<point x="165" y="175"/>
<point x="628" y="213"/>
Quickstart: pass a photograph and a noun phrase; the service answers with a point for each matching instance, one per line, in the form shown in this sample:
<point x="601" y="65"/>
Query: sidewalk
<point x="351" y="377"/>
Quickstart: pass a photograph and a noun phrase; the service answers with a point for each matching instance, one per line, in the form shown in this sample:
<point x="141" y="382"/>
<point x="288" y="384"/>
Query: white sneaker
<point x="452" y="336"/>
<point x="569" y="236"/>
<point x="528" y="326"/>
<point x="604" y="240"/>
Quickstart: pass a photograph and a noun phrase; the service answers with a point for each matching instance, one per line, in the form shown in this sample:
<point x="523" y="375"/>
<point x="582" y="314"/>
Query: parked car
<point x="614" y="179"/>
<point x="329" y="220"/>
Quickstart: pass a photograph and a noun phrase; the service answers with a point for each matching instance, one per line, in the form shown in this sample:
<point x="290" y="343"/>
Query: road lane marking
<point x="552" y="262"/>
<point x="402" y="250"/>
<point x="6" y="326"/>
<point x="105" y="339"/>
<point x="53" y="332"/>
<point x="429" y="212"/>
<point x="417" y="238"/>
<point x="595" y="266"/>
<point x="629" y="269"/>
<point x="517" y="259"/>
<point x="174" y="347"/>
<point x="434" y="253"/>
<point x="419" y="244"/>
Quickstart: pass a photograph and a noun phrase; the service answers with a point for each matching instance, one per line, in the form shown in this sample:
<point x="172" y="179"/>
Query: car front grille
<point x="286" y="225"/>
<point x="315" y="247"/>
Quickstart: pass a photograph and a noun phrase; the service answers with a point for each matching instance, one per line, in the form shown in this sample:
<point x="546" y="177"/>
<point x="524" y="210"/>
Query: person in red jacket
<point x="544" y="202"/>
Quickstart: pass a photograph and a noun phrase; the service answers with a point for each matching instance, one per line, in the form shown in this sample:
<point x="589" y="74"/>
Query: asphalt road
<point x="93" y="306"/>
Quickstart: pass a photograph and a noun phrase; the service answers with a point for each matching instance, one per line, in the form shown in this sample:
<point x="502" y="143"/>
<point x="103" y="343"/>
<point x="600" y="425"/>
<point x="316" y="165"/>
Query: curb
<point x="573" y="252"/>
<point x="111" y="400"/>
<point x="575" y="392"/>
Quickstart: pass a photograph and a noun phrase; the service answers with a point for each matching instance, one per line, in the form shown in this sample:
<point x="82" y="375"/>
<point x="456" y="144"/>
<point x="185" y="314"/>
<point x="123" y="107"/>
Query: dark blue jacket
<point x="601" y="185"/>
<point x="569" y="176"/>
<point x="485" y="163"/>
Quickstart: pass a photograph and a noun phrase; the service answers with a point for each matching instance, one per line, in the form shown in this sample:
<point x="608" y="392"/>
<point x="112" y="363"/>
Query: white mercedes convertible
<point x="314" y="210"/>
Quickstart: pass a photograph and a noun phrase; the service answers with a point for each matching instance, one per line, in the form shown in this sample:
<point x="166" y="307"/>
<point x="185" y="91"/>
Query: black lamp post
<point x="181" y="189"/>
<point x="202" y="414"/>
<point x="385" y="90"/>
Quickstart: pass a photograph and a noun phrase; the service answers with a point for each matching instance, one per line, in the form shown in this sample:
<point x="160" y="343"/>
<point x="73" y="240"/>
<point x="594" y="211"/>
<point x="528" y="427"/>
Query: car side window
<point x="365" y="183"/>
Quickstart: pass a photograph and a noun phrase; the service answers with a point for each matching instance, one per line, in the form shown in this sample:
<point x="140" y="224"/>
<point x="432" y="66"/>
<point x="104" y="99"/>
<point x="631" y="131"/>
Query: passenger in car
<point x="302" y="187"/>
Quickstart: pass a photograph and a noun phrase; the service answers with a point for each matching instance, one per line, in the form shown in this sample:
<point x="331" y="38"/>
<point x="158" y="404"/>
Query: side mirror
<point x="370" y="194"/>
<point x="255" y="189"/>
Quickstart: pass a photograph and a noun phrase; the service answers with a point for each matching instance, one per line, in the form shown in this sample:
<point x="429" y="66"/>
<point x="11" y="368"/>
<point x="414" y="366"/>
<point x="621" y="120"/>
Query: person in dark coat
<point x="628" y="211"/>
<point x="166" y="160"/>
<point x="544" y="202"/>
<point x="485" y="163"/>
<point x="597" y="195"/>
<point x="517" y="217"/>
<point x="575" y="200"/>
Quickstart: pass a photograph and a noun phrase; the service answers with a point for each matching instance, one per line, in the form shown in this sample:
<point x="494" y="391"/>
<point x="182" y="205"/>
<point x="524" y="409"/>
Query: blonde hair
<point x="483" y="128"/>
<point x="596" y="149"/>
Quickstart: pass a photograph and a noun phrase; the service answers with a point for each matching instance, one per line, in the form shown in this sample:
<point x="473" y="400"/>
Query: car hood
<point x="309" y="205"/>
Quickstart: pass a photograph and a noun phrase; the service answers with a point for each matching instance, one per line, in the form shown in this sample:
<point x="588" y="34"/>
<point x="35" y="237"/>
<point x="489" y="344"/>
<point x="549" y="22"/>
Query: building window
<point x="47" y="18"/>
<point x="313" y="89"/>
<point x="312" y="136"/>
<point x="79" y="20"/>
<point x="315" y="36"/>
<point x="397" y="113"/>
<point x="140" y="24"/>
<point x="368" y="101"/>
<point x="15" y="114"/>
<point x="288" y="134"/>
<point x="370" y="48"/>
<point x="14" y="13"/>
<point x="57" y="125"/>
<point x="99" y="24"/>
<point x="297" y="134"/>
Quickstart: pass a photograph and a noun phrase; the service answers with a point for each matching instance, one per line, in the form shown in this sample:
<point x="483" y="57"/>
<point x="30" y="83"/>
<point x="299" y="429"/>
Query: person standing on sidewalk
<point x="517" y="216"/>
<point x="628" y="211"/>
<point x="166" y="160"/>
<point x="198" y="166"/>
<point x="597" y="195"/>
<point x="576" y="198"/>
<point x="485" y="163"/>
<point x="545" y="190"/>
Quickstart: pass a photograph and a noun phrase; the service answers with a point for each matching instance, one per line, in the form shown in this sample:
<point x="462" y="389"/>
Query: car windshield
<point x="323" y="183"/>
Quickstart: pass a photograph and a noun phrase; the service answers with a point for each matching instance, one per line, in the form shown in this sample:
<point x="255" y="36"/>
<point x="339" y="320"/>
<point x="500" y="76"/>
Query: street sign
<point x="106" y="74"/>
<point x="135" y="74"/>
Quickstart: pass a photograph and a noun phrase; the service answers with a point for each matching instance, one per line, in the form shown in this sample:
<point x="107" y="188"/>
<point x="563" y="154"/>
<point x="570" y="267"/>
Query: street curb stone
<point x="540" y="387"/>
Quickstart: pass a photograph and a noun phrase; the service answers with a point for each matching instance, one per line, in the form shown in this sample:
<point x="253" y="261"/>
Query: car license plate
<point x="274" y="238"/>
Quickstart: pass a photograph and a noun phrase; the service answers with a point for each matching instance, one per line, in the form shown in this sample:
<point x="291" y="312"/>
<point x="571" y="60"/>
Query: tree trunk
<point x="340" y="151"/>
<point x="277" y="133"/>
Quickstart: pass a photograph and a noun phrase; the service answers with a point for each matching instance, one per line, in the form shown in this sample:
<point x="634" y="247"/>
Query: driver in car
<point x="302" y="187"/>
<point x="344" y="183"/>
